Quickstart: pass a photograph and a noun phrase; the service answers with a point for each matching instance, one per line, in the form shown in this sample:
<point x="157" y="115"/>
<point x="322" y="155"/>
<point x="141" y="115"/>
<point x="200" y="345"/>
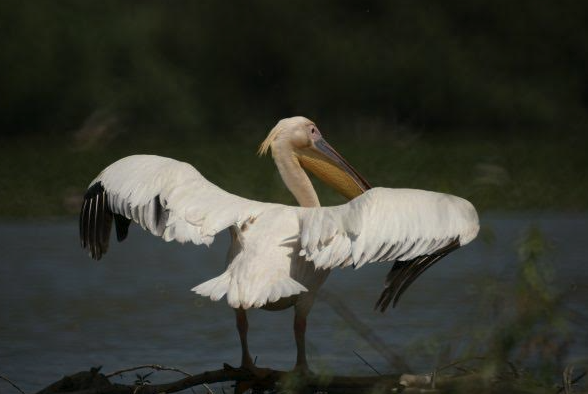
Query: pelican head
<point x="297" y="142"/>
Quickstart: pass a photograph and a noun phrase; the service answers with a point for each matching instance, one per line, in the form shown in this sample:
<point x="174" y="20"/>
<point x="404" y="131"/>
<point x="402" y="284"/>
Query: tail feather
<point x="226" y="284"/>
<point x="214" y="288"/>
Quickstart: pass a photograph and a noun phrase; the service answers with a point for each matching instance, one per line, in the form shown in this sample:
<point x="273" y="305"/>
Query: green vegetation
<point x="493" y="93"/>
<point x="520" y="336"/>
<point x="185" y="64"/>
<point x="45" y="175"/>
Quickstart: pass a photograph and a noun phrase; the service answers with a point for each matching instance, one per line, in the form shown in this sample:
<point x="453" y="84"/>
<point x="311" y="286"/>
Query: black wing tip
<point x="121" y="224"/>
<point x="94" y="190"/>
<point x="383" y="301"/>
<point x="383" y="306"/>
<point x="401" y="276"/>
<point x="95" y="221"/>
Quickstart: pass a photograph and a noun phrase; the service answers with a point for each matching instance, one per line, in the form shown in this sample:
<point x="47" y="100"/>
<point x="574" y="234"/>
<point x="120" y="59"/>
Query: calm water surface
<point x="61" y="312"/>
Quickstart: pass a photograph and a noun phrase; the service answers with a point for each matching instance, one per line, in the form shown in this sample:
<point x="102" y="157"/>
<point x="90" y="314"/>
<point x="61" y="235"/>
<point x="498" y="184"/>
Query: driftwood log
<point x="274" y="381"/>
<point x="94" y="382"/>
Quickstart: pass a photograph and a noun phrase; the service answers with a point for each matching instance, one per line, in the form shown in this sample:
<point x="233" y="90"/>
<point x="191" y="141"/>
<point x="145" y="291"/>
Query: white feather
<point x="387" y="224"/>
<point x="281" y="251"/>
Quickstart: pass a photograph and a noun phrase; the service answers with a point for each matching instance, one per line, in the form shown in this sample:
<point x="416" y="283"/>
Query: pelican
<point x="280" y="255"/>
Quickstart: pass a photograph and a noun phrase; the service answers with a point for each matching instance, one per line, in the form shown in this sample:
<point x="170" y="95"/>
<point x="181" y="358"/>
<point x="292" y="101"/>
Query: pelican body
<point x="280" y="255"/>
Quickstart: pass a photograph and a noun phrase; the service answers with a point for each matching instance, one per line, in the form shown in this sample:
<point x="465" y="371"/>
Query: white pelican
<point x="280" y="255"/>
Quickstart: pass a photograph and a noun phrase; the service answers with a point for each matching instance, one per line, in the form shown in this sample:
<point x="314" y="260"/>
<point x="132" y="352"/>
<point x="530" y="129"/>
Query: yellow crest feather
<point x="265" y="145"/>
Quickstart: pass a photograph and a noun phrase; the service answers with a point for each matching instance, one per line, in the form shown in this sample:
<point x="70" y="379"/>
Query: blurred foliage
<point x="518" y="340"/>
<point x="521" y="336"/>
<point x="531" y="326"/>
<point x="486" y="100"/>
<point x="46" y="174"/>
<point x="183" y="66"/>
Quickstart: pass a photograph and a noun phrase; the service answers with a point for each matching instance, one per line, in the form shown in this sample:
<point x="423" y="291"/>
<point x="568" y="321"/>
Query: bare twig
<point x="208" y="389"/>
<point x="366" y="363"/>
<point x="12" y="384"/>
<point x="568" y="382"/>
<point x="393" y="359"/>
<point x="151" y="366"/>
<point x="513" y="369"/>
<point x="464" y="370"/>
<point x="567" y="379"/>
<point x="157" y="368"/>
<point x="453" y="364"/>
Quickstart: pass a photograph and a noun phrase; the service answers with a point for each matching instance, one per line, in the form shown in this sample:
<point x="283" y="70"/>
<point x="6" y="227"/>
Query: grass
<point x="45" y="175"/>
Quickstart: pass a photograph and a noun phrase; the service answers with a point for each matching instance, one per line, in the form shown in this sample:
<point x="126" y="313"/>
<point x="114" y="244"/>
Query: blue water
<point x="61" y="312"/>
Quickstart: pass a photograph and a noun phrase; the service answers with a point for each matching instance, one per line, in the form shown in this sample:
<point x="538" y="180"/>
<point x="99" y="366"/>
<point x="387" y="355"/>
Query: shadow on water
<point x="62" y="312"/>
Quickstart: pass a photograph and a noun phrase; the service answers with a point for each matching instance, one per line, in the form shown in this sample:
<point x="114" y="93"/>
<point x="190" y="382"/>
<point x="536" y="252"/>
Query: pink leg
<point x="242" y="327"/>
<point x="299" y="335"/>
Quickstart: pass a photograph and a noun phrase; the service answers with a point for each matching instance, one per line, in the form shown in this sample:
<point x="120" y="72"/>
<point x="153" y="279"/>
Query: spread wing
<point x="164" y="196"/>
<point x="413" y="228"/>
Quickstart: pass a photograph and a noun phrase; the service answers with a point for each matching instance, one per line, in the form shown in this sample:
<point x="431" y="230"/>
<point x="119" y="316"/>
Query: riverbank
<point x="46" y="175"/>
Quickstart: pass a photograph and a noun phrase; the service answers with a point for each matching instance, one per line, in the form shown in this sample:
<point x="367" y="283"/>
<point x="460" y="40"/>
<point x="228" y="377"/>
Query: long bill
<point x="330" y="167"/>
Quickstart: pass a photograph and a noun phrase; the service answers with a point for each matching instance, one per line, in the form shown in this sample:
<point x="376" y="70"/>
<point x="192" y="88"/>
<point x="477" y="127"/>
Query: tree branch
<point x="394" y="360"/>
<point x="156" y="367"/>
<point x="12" y="383"/>
<point x="93" y="382"/>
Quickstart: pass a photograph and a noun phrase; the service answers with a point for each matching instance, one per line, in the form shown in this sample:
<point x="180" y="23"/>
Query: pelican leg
<point x="246" y="360"/>
<point x="299" y="335"/>
<point x="242" y="327"/>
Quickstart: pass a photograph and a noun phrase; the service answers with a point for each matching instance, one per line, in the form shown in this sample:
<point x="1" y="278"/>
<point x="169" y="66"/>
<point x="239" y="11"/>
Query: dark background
<point x="484" y="99"/>
<point x="184" y="65"/>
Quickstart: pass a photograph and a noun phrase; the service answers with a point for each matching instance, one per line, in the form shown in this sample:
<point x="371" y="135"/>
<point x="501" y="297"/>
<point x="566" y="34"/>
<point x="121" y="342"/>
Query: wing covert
<point x="168" y="198"/>
<point x="385" y="225"/>
<point x="415" y="228"/>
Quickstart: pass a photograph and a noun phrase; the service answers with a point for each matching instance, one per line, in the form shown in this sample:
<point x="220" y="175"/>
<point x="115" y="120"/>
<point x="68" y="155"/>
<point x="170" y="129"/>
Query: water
<point x="61" y="312"/>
